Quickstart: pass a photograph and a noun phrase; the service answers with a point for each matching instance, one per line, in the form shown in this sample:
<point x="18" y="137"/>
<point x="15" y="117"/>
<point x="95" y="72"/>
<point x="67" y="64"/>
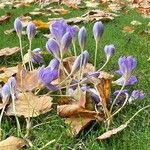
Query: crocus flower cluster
<point x="63" y="35"/>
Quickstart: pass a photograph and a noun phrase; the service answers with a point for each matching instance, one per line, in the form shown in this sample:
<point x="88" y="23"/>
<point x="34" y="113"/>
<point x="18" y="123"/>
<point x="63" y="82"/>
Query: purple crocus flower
<point x="31" y="30"/>
<point x="132" y="80"/>
<point x="58" y="29"/>
<point x="123" y="92"/>
<point x="109" y="51"/>
<point x="82" y="37"/>
<point x="53" y="48"/>
<point x="5" y="92"/>
<point x="36" y="56"/>
<point x="12" y="84"/>
<point x="136" y="94"/>
<point x="73" y="31"/>
<point x="54" y="64"/>
<point x="127" y="65"/>
<point x="98" y="30"/>
<point x="18" y="26"/>
<point x="77" y="63"/>
<point x="65" y="43"/>
<point x="48" y="74"/>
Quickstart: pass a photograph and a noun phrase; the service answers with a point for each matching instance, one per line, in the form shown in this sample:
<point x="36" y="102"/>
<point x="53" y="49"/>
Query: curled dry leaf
<point x="27" y="80"/>
<point x="77" y="115"/>
<point x="29" y="105"/>
<point x="112" y="132"/>
<point x="61" y="11"/>
<point x="5" y="18"/>
<point x="6" y="73"/>
<point x="12" y="143"/>
<point x="40" y="24"/>
<point x="8" y="51"/>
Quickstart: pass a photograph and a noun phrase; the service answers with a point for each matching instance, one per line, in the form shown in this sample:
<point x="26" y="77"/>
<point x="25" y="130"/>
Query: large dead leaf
<point x="112" y="132"/>
<point x="8" y="51"/>
<point x="6" y="73"/>
<point x="5" y="18"/>
<point x="12" y="143"/>
<point x="29" y="105"/>
<point x="27" y="80"/>
<point x="77" y="115"/>
<point x="77" y="124"/>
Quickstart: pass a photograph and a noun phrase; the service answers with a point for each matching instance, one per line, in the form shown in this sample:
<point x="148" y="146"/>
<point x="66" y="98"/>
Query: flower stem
<point x="74" y="48"/>
<point x="21" y="50"/>
<point x="95" y="59"/>
<point x="14" y="109"/>
<point x="104" y="65"/>
<point x="30" y="56"/>
<point x="117" y="96"/>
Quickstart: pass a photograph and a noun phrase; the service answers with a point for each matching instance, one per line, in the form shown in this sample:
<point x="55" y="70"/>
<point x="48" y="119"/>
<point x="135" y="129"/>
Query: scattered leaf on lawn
<point x="112" y="132"/>
<point x="91" y="4"/>
<point x="40" y="24"/>
<point x="5" y="18"/>
<point x="29" y="105"/>
<point x="61" y="11"/>
<point x="27" y="80"/>
<point x="25" y="20"/>
<point x="12" y="143"/>
<point x="6" y="73"/>
<point x="72" y="3"/>
<point x="38" y="13"/>
<point x="8" y="51"/>
<point x="128" y="29"/>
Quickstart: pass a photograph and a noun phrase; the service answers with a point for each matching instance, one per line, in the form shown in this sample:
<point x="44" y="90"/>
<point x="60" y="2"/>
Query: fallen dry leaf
<point x="6" y="73"/>
<point x="9" y="51"/>
<point x="77" y="115"/>
<point x="77" y="124"/>
<point x="29" y="105"/>
<point x="39" y="13"/>
<point x="91" y="4"/>
<point x="112" y="132"/>
<point x="61" y="11"/>
<point x="40" y="24"/>
<point x="72" y="3"/>
<point x="5" y="18"/>
<point x="128" y="29"/>
<point x="27" y="80"/>
<point x="12" y="143"/>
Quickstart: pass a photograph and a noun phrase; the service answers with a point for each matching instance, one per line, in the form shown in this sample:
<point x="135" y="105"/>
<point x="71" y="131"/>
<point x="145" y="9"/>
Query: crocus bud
<point x="54" y="64"/>
<point x="5" y="92"/>
<point x="65" y="42"/>
<point x="98" y="30"/>
<point x="109" y="51"/>
<point x="73" y="31"/>
<point x="12" y="84"/>
<point x="53" y="48"/>
<point x="82" y="37"/>
<point x="85" y="57"/>
<point x="18" y="26"/>
<point x="77" y="63"/>
<point x="36" y="56"/>
<point x="31" y="31"/>
<point x="127" y="65"/>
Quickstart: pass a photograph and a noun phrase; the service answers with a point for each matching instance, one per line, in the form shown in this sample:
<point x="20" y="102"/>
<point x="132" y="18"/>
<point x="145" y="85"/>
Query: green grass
<point x="136" y="136"/>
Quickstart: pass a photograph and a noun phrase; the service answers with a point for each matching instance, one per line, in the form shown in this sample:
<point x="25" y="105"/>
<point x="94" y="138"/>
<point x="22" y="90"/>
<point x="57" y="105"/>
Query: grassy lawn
<point x="137" y="135"/>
